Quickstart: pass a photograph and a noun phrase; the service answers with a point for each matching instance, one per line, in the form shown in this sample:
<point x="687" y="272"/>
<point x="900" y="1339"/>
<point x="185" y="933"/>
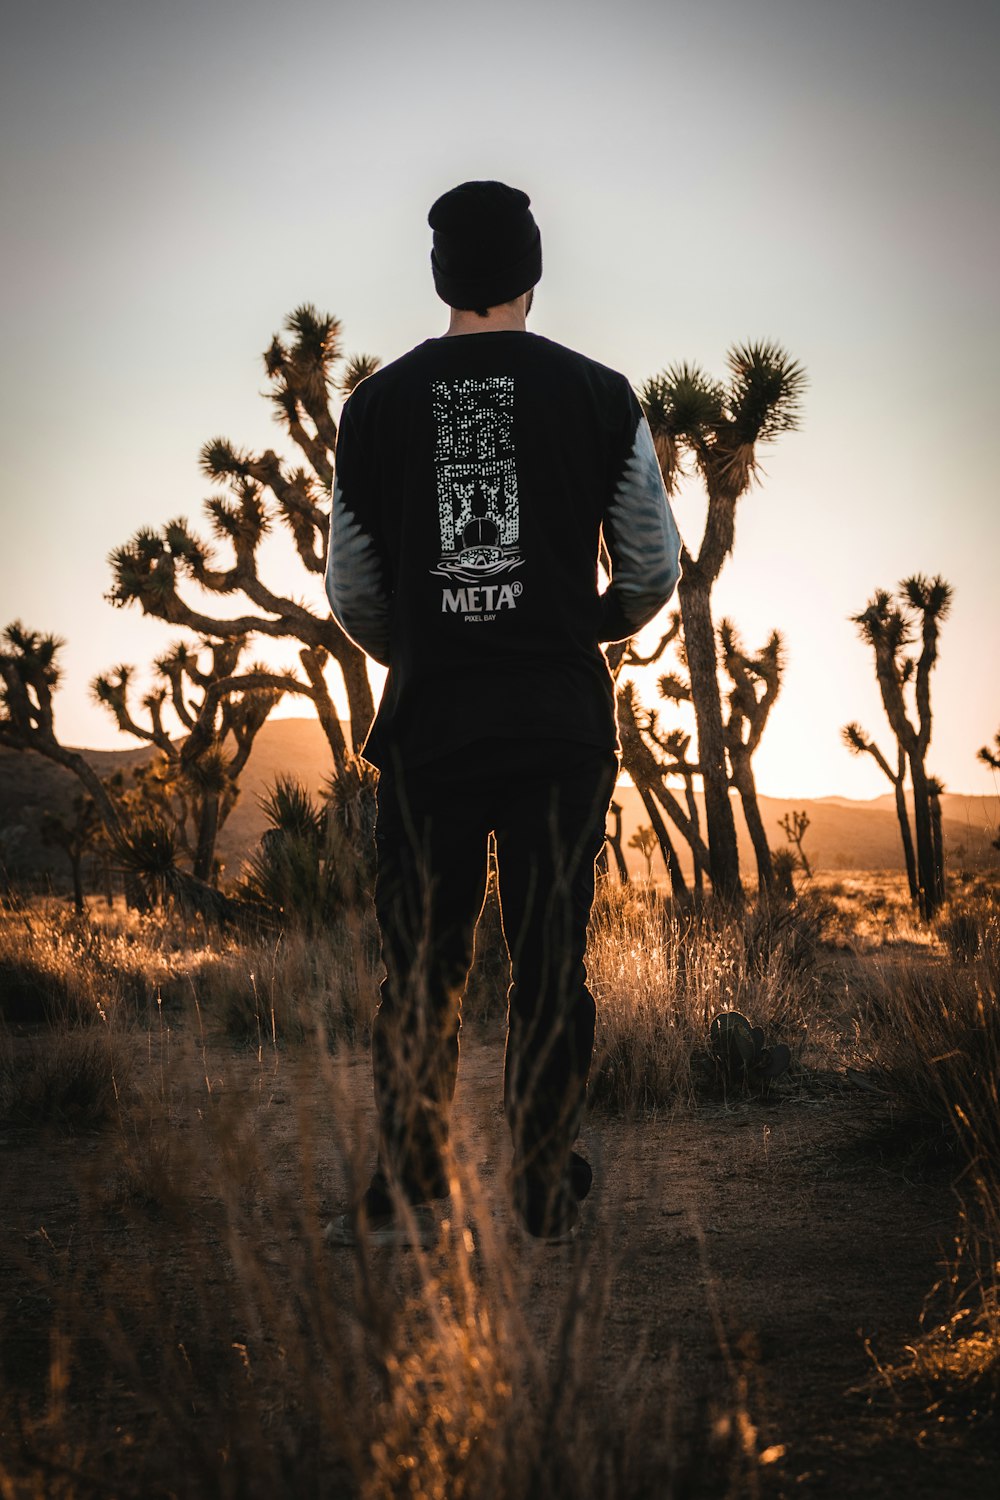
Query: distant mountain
<point x="842" y="834"/>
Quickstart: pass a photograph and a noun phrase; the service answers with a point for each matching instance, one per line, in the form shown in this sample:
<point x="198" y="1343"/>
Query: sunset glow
<point x="825" y="177"/>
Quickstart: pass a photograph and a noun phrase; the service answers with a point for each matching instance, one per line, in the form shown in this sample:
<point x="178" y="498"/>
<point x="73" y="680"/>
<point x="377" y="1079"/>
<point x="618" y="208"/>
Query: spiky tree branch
<point x="756" y="682"/>
<point x="29" y="674"/>
<point x="232" y="709"/>
<point x="859" y="743"/>
<point x="718" y="428"/>
<point x="990" y="757"/>
<point x="648" y="776"/>
<point x="158" y="569"/>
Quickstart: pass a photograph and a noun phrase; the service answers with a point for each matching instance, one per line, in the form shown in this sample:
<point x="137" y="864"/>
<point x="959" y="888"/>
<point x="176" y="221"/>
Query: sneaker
<point x="581" y="1176"/>
<point x="384" y="1218"/>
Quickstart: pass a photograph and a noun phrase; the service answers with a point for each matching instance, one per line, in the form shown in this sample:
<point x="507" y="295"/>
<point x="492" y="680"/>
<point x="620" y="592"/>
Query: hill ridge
<point x="843" y="833"/>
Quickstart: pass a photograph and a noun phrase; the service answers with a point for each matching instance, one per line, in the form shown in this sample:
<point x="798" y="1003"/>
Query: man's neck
<point x="507" y="319"/>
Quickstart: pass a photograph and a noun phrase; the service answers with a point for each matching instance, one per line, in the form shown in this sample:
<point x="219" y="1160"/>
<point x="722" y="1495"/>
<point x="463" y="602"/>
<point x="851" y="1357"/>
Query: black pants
<point x="546" y="803"/>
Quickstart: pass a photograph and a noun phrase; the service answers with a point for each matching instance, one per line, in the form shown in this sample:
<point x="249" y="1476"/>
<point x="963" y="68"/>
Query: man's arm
<point x="642" y="541"/>
<point x="355" y="574"/>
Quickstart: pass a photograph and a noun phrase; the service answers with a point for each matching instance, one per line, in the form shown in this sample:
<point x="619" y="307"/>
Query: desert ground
<point x="782" y="1290"/>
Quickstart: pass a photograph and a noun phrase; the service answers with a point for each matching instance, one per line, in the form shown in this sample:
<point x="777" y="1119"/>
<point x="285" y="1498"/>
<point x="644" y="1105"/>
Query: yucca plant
<point x="315" y="859"/>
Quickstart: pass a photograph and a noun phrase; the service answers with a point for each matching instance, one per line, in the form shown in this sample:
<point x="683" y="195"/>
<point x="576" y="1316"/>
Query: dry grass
<point x="57" y="968"/>
<point x="79" y="1079"/>
<point x="204" y="1342"/>
<point x="220" y="1349"/>
<point x="935" y="1033"/>
<point x="659" y="979"/>
<point x="292" y="986"/>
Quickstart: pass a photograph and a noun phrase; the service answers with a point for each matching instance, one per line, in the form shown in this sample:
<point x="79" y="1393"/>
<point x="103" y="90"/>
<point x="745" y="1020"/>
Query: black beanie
<point x="487" y="248"/>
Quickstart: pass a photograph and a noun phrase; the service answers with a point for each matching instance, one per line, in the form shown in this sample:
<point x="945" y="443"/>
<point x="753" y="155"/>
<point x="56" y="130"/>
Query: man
<point x="474" y="479"/>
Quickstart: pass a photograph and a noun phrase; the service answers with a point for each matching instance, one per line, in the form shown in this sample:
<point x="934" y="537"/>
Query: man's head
<point x="487" y="248"/>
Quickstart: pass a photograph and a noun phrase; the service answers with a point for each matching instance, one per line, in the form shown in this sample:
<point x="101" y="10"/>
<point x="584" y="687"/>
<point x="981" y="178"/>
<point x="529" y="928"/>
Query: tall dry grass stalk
<point x="218" y="1348"/>
<point x="936" y="1039"/>
<point x="659" y="978"/>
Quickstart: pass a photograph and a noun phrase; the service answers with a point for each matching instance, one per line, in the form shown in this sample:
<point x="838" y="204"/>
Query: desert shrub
<point x="75" y="1079"/>
<point x="660" y="977"/>
<point x="785" y="863"/>
<point x="970" y="925"/>
<point x="316" y="859"/>
<point x="868" y="913"/>
<point x="935" y="1035"/>
<point x="292" y="986"/>
<point x="937" y="1043"/>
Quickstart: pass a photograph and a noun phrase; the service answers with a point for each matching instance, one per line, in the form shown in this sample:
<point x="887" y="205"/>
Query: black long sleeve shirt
<point x="474" y="478"/>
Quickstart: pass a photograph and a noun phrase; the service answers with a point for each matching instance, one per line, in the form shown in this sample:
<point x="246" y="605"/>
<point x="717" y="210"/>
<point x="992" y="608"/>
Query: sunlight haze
<point x="176" y="180"/>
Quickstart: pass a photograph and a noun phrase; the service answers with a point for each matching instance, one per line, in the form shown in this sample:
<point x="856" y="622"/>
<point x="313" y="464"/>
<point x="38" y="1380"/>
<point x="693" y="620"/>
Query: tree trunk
<point x="678" y="885"/>
<point x="613" y="841"/>
<point x="360" y="704"/>
<point x="926" y="885"/>
<point x="937" y="848"/>
<point x="208" y="832"/>
<point x="904" y="828"/>
<point x="313" y="660"/>
<point x="745" y="785"/>
<point x="692" y="807"/>
<point x="76" y="861"/>
<point x="638" y="760"/>
<point x="699" y="644"/>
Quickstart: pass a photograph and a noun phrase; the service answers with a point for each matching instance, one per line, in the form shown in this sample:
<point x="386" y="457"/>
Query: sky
<point x="176" y="179"/>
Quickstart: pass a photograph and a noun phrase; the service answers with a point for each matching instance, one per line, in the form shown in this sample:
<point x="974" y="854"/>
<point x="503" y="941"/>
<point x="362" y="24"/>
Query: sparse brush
<point x="56" y="969"/>
<point x="659" y="979"/>
<point x="314" y="861"/>
<point x="935" y="1035"/>
<point x="295" y="986"/>
<point x="78" y="1079"/>
<point x="241" y="1357"/>
<point x="938" y="1045"/>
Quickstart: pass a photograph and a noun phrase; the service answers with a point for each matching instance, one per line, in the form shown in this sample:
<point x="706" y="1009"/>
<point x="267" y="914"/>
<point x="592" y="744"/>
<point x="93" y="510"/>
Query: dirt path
<point x="806" y="1236"/>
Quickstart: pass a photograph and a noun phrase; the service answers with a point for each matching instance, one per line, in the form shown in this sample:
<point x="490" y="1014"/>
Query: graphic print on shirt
<point x="477" y="490"/>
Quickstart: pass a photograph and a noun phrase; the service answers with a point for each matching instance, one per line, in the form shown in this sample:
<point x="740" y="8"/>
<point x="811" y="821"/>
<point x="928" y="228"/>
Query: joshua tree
<point x="314" y="858"/>
<point x="152" y="569"/>
<point x="719" y="428"/>
<point x="795" y="825"/>
<point x="650" y="776"/>
<point x="990" y="757"/>
<point x="613" y="841"/>
<point x="756" y="683"/>
<point x="858" y="743"/>
<point x="675" y="746"/>
<point x="29" y="675"/>
<point x="645" y="840"/>
<point x="889" y="626"/>
<point x="202" y="770"/>
<point x="935" y="788"/>
<point x="74" y="835"/>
